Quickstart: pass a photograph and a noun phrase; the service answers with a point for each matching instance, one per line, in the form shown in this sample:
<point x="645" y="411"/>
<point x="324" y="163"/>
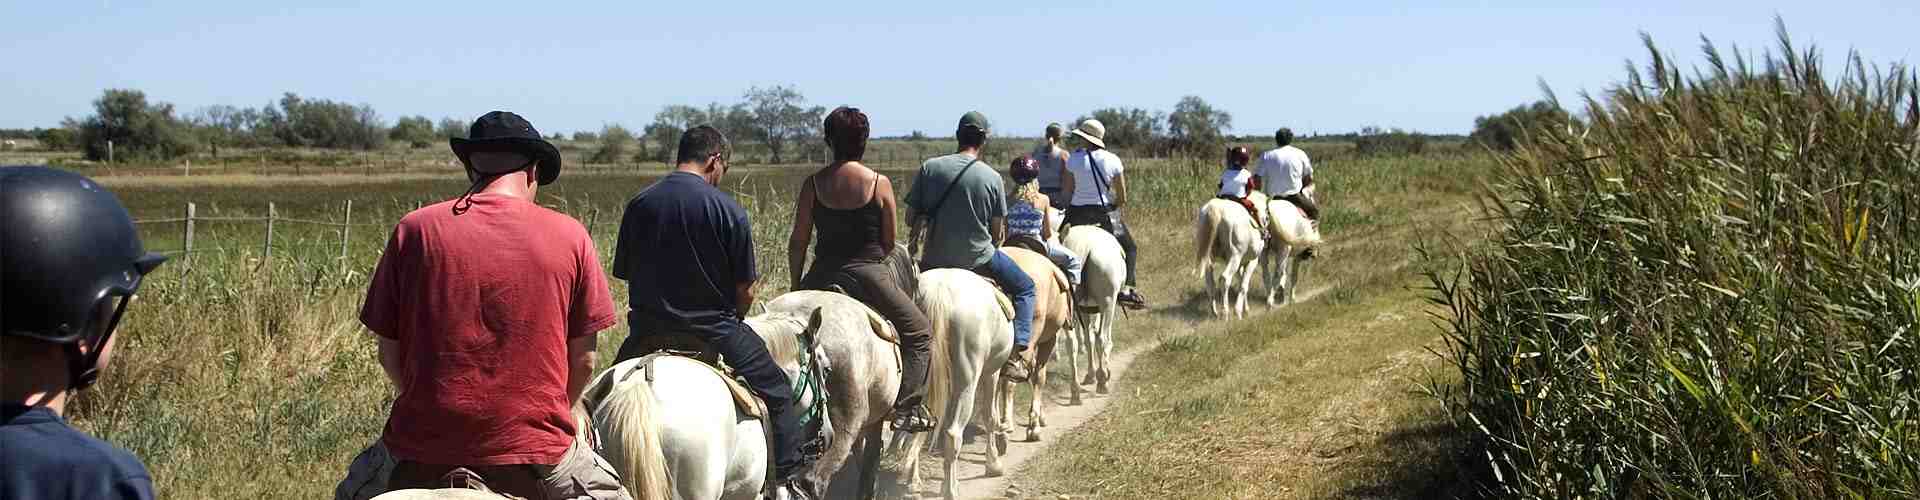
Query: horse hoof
<point x="1101" y="388"/>
<point x="995" y="472"/>
<point x="1033" y="436"/>
<point x="1000" y="442"/>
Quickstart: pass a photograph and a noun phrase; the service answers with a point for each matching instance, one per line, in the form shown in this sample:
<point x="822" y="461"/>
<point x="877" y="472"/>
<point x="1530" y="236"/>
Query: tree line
<point x="126" y="125"/>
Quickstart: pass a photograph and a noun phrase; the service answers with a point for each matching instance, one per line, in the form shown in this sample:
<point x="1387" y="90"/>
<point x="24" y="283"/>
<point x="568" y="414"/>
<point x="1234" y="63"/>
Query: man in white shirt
<point x="1285" y="173"/>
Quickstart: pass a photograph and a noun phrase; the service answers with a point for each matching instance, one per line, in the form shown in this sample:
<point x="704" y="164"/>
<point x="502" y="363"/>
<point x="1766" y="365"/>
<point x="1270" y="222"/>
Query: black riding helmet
<point x="67" y="247"/>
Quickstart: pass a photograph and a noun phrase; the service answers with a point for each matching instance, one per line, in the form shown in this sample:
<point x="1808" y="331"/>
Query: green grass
<point x="1711" y="293"/>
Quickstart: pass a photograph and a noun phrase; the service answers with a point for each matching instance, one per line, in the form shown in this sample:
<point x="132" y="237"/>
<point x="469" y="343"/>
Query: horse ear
<point x="815" y="320"/>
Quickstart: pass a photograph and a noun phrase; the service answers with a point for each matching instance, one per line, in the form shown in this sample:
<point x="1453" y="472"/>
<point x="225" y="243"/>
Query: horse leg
<point x="1246" y="282"/>
<point x="870" y="447"/>
<point x="994" y="398"/>
<point x="1093" y="347"/>
<point x="1075" y="338"/>
<point x="1293" y="278"/>
<point x="959" y="412"/>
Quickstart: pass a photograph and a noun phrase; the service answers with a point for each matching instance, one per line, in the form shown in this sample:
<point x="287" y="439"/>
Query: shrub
<point x="125" y="126"/>
<point x="1393" y="143"/>
<point x="614" y="141"/>
<point x="1502" y="131"/>
<point x="1713" y="292"/>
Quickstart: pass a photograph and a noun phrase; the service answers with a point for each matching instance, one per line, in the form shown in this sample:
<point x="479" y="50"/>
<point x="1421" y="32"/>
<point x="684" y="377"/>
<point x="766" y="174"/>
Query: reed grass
<point x="1710" y="292"/>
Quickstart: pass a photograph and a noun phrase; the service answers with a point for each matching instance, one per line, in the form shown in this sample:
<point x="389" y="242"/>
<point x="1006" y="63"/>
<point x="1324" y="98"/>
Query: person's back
<point x="962" y="195"/>
<point x="488" y="300"/>
<point x="46" y="459"/>
<point x="1282" y="170"/>
<point x="683" y="246"/>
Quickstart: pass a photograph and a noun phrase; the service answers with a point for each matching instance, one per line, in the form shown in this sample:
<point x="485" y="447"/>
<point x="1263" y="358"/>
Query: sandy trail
<point x="1061" y="420"/>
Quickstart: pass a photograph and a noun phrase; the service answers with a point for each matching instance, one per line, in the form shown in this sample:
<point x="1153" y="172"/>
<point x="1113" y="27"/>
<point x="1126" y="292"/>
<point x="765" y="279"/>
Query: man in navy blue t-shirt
<point x="70" y="262"/>
<point x="686" y="251"/>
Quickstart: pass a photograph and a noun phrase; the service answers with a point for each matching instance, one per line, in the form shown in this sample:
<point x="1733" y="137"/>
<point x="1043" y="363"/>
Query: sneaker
<point x="1017" y="368"/>
<point x="1132" y="299"/>
<point x="912" y="420"/>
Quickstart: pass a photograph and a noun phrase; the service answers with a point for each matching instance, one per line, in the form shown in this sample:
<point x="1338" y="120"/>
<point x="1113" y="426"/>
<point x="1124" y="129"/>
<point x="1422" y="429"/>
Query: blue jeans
<point x="1019" y="287"/>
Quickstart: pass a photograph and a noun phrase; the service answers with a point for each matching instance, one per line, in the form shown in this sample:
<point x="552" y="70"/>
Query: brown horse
<point x="1052" y="307"/>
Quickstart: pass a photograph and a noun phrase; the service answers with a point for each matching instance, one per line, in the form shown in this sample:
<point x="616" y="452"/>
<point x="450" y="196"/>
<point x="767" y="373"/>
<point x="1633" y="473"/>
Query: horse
<point x="1051" y="308"/>
<point x="970" y="345"/>
<point x="862" y="375"/>
<point x="672" y="429"/>
<point x="1103" y="273"/>
<point x="1292" y="236"/>
<point x="1224" y="230"/>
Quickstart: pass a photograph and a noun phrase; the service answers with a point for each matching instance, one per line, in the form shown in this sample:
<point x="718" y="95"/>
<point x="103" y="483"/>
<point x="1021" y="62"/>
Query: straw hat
<point x="1092" y="131"/>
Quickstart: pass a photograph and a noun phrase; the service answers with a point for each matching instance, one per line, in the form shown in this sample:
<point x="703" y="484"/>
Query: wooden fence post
<point x="346" y="229"/>
<point x="186" y="256"/>
<point x="267" y="249"/>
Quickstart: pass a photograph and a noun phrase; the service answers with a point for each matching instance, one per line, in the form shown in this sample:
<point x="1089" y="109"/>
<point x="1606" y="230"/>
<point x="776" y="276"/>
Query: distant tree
<point x="450" y="128"/>
<point x="614" y="142"/>
<point x="917" y="136"/>
<point x="326" y="124"/>
<point x="416" y="131"/>
<point x="781" y="118"/>
<point x="1128" y="127"/>
<point x="585" y="136"/>
<point x="556" y="137"/>
<point x="135" y="128"/>
<point x="1505" y="130"/>
<point x="1194" y="126"/>
<point x="58" y="139"/>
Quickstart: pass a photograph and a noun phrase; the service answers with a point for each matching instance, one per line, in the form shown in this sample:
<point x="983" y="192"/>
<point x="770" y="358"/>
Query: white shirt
<point x="1282" y="169"/>
<point x="1233" y="182"/>
<point x="1086" y="190"/>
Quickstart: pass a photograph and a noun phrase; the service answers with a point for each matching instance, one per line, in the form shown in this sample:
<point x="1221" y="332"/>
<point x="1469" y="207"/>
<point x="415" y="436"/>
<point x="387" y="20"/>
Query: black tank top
<point x="851" y="235"/>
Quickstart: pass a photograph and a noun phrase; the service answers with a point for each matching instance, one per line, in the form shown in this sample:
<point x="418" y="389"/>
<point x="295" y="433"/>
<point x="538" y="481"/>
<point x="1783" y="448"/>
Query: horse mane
<point x="783" y="344"/>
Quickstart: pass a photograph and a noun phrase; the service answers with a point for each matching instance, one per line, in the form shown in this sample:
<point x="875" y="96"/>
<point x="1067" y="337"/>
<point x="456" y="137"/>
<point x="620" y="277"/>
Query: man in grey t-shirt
<point x="959" y="203"/>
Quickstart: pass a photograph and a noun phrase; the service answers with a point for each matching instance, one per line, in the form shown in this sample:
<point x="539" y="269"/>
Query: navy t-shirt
<point x="684" y="246"/>
<point x="41" y="458"/>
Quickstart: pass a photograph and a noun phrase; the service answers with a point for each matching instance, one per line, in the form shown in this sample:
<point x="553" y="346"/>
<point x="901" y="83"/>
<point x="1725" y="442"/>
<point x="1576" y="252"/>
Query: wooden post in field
<point x="266" y="250"/>
<point x="346" y="229"/>
<point x="186" y="256"/>
<point x="189" y="168"/>
<point x="109" y="150"/>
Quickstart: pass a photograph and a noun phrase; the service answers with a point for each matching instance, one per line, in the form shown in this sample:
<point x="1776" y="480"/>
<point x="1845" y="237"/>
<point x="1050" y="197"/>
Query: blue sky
<point x="1313" y="66"/>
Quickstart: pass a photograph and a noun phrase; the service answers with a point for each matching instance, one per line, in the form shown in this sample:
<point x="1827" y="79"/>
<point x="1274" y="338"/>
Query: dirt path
<point x="1060" y="421"/>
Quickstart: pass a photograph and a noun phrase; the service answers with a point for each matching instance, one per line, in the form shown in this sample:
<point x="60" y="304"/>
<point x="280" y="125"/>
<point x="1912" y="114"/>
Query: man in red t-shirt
<point x="486" y="308"/>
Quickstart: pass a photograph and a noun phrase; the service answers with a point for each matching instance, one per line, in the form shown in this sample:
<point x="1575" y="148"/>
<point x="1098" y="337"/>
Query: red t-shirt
<point x="482" y="305"/>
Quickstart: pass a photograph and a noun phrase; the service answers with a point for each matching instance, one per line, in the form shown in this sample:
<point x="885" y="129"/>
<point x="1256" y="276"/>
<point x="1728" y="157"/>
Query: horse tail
<point x="935" y="299"/>
<point x="633" y="444"/>
<point x="1205" y="230"/>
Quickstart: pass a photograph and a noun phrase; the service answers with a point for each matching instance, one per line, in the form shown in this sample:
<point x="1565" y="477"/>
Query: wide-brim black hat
<point x="502" y="131"/>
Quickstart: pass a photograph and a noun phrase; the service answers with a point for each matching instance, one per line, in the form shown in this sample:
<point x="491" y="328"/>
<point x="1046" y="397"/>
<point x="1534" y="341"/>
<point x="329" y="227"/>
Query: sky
<point x="1323" y="67"/>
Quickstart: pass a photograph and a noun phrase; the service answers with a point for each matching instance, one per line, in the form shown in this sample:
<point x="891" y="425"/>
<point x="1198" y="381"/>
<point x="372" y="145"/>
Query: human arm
<point x="390" y="363"/>
<point x="1044" y="205"/>
<point x="581" y="356"/>
<point x="802" y="235"/>
<point x="883" y="192"/>
<point x="999" y="230"/>
<point x="1119" y="191"/>
<point x="744" y="291"/>
<point x="1066" y="184"/>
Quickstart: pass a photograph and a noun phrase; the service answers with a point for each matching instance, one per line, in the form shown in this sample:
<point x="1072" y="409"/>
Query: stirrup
<point x="1015" y="360"/>
<point x="912" y="420"/>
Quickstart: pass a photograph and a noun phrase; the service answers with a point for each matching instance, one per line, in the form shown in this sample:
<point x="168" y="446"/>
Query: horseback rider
<point x="1094" y="177"/>
<point x="1051" y="160"/>
<point x="481" y="296"/>
<point x="1030" y="219"/>
<point x="1285" y="173"/>
<point x="1237" y="182"/>
<point x="960" y="205"/>
<point x="70" y="262"/>
<point x="686" y="251"/>
<point x="854" y="243"/>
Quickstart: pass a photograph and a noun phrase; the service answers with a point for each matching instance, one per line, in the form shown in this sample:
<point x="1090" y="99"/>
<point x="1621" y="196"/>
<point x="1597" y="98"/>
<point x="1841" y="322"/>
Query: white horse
<point x="972" y="337"/>
<point x="673" y="430"/>
<point x="862" y="374"/>
<point x="1224" y="230"/>
<point x="1103" y="273"/>
<point x="1292" y="236"/>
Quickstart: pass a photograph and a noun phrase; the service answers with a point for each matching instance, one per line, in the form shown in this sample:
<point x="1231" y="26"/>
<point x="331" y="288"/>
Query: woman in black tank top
<point x="854" y="242"/>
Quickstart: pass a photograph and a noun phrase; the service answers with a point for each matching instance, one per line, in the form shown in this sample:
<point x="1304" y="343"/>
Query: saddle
<point x="687" y="346"/>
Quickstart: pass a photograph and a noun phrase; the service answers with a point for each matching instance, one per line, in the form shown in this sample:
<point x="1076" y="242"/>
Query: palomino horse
<point x="971" y="341"/>
<point x="1224" y="230"/>
<point x="1051" y="309"/>
<point x="1103" y="272"/>
<point x="673" y="429"/>
<point x="1292" y="236"/>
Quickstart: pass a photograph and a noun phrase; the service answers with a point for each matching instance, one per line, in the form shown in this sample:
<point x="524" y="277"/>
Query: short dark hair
<point x="847" y="130"/>
<point x="1283" y="137"/>
<point x="697" y="143"/>
<point x="1054" y="131"/>
<point x="971" y="137"/>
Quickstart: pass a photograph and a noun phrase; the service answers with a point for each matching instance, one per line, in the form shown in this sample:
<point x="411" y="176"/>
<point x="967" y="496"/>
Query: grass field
<point x="251" y="378"/>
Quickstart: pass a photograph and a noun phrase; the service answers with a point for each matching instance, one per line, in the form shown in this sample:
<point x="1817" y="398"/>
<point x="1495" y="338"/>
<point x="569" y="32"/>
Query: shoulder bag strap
<point x="935" y="209"/>
<point x="1099" y="181"/>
